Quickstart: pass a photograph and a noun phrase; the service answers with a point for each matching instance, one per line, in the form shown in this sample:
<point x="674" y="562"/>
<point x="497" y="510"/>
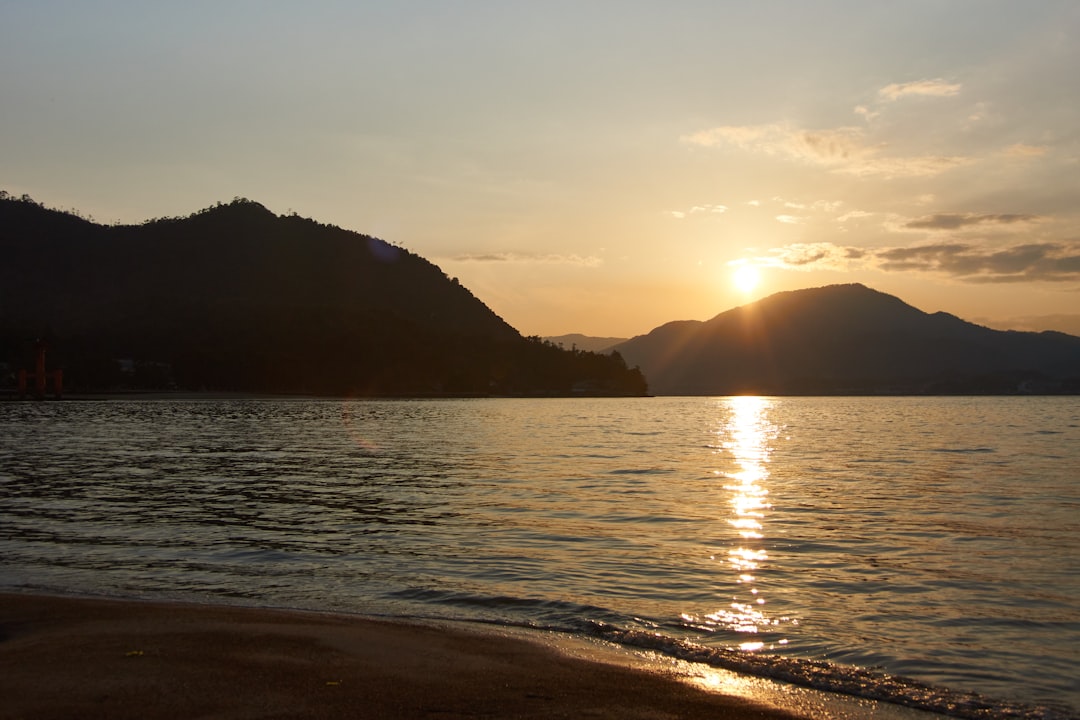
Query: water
<point x="915" y="549"/>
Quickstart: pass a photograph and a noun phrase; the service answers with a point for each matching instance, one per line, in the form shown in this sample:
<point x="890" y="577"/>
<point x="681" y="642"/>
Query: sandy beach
<point x="63" y="657"/>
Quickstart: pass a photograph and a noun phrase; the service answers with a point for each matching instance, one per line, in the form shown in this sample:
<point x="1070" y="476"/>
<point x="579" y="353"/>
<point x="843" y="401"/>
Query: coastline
<point x="89" y="657"/>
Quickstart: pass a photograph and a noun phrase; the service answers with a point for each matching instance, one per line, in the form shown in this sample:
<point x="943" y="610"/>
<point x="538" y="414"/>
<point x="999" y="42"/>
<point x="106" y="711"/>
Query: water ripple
<point x="932" y="538"/>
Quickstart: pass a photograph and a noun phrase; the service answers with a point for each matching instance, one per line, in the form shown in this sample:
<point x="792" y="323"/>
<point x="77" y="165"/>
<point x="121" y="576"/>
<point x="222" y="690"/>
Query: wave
<point x="639" y="633"/>
<point x="542" y="614"/>
<point x="821" y="675"/>
<point x="965" y="451"/>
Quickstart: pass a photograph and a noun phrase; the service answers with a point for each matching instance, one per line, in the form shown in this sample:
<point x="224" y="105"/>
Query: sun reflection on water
<point x="746" y="442"/>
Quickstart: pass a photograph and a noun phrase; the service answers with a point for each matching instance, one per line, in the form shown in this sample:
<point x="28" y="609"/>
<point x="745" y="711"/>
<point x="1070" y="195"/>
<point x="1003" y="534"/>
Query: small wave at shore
<point x="641" y="634"/>
<point x="829" y="677"/>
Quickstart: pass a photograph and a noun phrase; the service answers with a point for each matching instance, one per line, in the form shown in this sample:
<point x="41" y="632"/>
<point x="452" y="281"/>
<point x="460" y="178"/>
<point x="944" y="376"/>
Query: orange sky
<point x="600" y="167"/>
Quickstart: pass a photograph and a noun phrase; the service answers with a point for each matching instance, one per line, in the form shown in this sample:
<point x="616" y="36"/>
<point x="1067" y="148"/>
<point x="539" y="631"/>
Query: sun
<point x="746" y="277"/>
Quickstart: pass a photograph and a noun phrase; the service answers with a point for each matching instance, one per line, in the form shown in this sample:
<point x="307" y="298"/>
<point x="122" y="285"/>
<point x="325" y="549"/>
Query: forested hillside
<point x="236" y="298"/>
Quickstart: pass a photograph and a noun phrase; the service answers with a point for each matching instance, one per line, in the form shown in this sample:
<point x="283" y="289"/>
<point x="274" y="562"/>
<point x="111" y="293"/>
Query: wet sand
<point x="64" y="657"/>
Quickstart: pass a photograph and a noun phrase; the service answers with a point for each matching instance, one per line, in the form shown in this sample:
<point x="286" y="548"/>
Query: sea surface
<point x="925" y="551"/>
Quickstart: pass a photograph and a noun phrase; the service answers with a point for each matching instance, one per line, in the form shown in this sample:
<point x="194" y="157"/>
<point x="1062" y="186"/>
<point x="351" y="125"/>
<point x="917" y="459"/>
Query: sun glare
<point x="746" y="277"/>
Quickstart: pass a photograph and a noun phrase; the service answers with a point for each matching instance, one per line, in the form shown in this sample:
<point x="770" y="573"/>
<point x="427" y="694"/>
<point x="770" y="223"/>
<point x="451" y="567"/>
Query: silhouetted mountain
<point x="577" y="341"/>
<point x="848" y="339"/>
<point x="237" y="298"/>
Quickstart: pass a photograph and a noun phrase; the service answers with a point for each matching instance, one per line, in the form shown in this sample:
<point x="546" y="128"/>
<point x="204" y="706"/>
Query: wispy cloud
<point x="926" y="88"/>
<point x="822" y="146"/>
<point x="955" y="221"/>
<point x="1022" y="150"/>
<point x="529" y="258"/>
<point x="917" y="166"/>
<point x="866" y="113"/>
<point x="844" y="149"/>
<point x="854" y="215"/>
<point x="698" y="210"/>
<point x="819" y="206"/>
<point x="1049" y="261"/>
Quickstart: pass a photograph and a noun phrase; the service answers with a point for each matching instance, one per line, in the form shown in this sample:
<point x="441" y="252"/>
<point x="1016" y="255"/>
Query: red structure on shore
<point x="40" y="377"/>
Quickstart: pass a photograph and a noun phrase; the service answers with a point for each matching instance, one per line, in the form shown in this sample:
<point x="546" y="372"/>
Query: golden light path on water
<point x="746" y="443"/>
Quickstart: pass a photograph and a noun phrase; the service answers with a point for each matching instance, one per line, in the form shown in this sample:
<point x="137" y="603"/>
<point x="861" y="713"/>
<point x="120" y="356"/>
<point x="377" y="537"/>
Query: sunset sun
<point x="745" y="278"/>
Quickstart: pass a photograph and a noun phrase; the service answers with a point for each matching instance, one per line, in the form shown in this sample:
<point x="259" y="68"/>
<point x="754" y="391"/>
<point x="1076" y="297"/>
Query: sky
<point x="592" y="166"/>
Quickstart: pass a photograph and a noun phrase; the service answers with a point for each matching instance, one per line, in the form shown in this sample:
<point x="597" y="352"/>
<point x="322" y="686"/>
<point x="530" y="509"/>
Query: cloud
<point x="811" y="256"/>
<point x="866" y="112"/>
<point x="854" y="215"/>
<point x="843" y="150"/>
<point x="980" y="113"/>
<point x="698" y="209"/>
<point x="1025" y="262"/>
<point x="789" y="219"/>
<point x="896" y="91"/>
<point x="954" y="221"/>
<point x="925" y="88"/>
<point x="528" y="258"/>
<point x="1053" y="262"/>
<point x="1022" y="150"/>
<point x="919" y="166"/>
<point x="826" y="147"/>
<point x="741" y="135"/>
<point x="827" y="206"/>
<point x="822" y="206"/>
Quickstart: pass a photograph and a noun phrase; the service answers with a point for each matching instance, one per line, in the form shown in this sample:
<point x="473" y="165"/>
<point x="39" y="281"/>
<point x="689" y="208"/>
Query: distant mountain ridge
<point x="845" y="339"/>
<point x="588" y="343"/>
<point x="234" y="297"/>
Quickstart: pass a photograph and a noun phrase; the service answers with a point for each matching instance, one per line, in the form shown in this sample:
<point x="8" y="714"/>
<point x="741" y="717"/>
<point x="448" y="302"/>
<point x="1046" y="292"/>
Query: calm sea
<point x="913" y="549"/>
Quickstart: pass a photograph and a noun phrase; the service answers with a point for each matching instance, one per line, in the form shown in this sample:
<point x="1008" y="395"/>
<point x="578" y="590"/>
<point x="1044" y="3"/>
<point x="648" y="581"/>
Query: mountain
<point x="237" y="298"/>
<point x="848" y="339"/>
<point x="577" y="341"/>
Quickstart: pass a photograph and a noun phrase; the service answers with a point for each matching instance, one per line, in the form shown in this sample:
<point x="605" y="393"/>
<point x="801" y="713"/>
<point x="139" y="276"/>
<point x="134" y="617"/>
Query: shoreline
<point x="98" y="657"/>
<point x="66" y="656"/>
